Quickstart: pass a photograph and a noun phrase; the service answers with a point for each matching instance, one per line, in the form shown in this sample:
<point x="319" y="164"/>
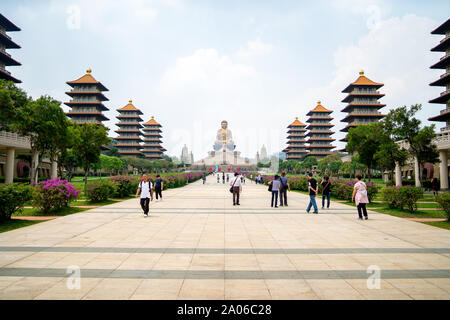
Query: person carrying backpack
<point x="283" y="189"/>
<point x="145" y="188"/>
<point x="159" y="186"/>
<point x="326" y="191"/>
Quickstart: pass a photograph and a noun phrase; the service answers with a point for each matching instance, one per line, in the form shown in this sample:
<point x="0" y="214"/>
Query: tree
<point x="45" y="123"/>
<point x="88" y="141"/>
<point x="331" y="163"/>
<point x="365" y="140"/>
<point x="12" y="102"/>
<point x="309" y="163"/>
<point x="404" y="126"/>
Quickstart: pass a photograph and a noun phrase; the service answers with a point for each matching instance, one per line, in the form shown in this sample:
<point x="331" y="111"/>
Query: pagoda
<point x="444" y="80"/>
<point x="7" y="43"/>
<point x="129" y="139"/>
<point x="363" y="104"/>
<point x="152" y="148"/>
<point x="87" y="98"/>
<point x="319" y="142"/>
<point x="296" y="149"/>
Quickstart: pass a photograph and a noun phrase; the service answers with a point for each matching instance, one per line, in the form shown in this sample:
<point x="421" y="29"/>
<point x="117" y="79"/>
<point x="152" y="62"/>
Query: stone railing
<point x="11" y="139"/>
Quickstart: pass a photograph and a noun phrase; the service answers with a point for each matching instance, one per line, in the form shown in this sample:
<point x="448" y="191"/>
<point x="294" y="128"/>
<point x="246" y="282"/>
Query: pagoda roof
<point x="443" y="28"/>
<point x="88" y="93"/>
<point x="442" y="63"/>
<point x="442" y="81"/>
<point x="296" y="123"/>
<point x="362" y="115"/>
<point x="351" y="106"/>
<point x="354" y="95"/>
<point x="4" y="74"/>
<point x="8" y="25"/>
<point x="87" y="79"/>
<point x="362" y="81"/>
<point x="319" y="108"/>
<point x="443" y="116"/>
<point x="443" y="45"/>
<point x="7" y="60"/>
<point x="80" y="103"/>
<point x="152" y="122"/>
<point x="130" y="107"/>
<point x="443" y="98"/>
<point x="97" y="115"/>
<point x="7" y="41"/>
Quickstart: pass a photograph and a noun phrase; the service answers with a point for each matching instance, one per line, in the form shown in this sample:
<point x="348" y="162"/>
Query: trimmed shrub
<point x="402" y="197"/>
<point x="123" y="186"/>
<point x="12" y="199"/>
<point x="443" y="200"/>
<point x="99" y="191"/>
<point x="53" y="194"/>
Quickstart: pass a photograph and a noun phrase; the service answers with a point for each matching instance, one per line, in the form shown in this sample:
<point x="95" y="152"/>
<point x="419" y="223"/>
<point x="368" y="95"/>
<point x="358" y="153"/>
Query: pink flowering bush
<point x="124" y="186"/>
<point x="53" y="194"/>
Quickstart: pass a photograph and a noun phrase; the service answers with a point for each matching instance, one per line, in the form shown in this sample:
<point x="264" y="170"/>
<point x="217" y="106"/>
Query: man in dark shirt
<point x="283" y="189"/>
<point x="313" y="188"/>
<point x="159" y="187"/>
<point x="326" y="191"/>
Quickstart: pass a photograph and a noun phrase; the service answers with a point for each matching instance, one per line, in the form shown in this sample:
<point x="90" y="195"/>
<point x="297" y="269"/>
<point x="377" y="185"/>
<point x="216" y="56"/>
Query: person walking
<point x="223" y="178"/>
<point x="284" y="189"/>
<point x="257" y="179"/>
<point x="326" y="191"/>
<point x="435" y="186"/>
<point x="218" y="177"/>
<point x="228" y="177"/>
<point x="313" y="188"/>
<point x="159" y="186"/>
<point x="145" y="188"/>
<point x="204" y="177"/>
<point x="360" y="197"/>
<point x="236" y="188"/>
<point x="274" y="186"/>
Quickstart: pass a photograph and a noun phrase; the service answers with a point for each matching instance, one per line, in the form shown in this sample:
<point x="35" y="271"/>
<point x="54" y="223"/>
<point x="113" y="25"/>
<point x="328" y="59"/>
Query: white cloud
<point x="254" y="48"/>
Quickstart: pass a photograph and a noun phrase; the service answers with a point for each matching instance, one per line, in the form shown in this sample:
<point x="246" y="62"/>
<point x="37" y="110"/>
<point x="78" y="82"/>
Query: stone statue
<point x="224" y="138"/>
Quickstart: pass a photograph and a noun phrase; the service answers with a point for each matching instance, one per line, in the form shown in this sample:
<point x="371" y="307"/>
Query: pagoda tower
<point x="442" y="137"/>
<point x="7" y="43"/>
<point x="87" y="98"/>
<point x="152" y="148"/>
<point x="444" y="80"/>
<point x="319" y="142"/>
<point x="363" y="104"/>
<point x="296" y="149"/>
<point x="129" y="139"/>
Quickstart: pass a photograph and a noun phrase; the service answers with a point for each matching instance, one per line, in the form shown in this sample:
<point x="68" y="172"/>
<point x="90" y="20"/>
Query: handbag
<point x="270" y="187"/>
<point x="231" y="189"/>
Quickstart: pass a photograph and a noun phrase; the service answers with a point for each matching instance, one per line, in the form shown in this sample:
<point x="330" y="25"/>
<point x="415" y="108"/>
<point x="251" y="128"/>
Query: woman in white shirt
<point x="146" y="189"/>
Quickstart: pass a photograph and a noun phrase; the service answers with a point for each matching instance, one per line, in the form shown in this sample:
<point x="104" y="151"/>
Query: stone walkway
<point x="196" y="245"/>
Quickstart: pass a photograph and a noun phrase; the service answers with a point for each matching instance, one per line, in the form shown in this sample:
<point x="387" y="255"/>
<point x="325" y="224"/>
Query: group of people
<point x="146" y="190"/>
<point x="280" y="185"/>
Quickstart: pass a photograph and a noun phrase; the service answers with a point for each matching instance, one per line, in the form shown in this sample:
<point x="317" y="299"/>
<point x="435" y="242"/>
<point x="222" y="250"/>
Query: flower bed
<point x="53" y="194"/>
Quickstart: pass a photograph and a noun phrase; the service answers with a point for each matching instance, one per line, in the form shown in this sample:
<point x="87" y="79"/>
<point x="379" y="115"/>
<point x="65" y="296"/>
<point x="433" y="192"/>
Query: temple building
<point x="263" y="154"/>
<point x="319" y="132"/>
<point x="152" y="148"/>
<point x="7" y="43"/>
<point x="129" y="139"/>
<point x="87" y="98"/>
<point x="363" y="104"/>
<point x="443" y="137"/>
<point x="296" y="149"/>
<point x="185" y="156"/>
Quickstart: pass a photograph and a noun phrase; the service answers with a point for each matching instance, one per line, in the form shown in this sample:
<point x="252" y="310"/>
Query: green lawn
<point x="439" y="224"/>
<point x="15" y="224"/>
<point x="61" y="212"/>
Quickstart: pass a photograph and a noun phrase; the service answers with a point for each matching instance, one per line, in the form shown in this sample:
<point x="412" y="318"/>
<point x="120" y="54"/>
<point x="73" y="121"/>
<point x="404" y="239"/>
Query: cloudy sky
<point x="257" y="64"/>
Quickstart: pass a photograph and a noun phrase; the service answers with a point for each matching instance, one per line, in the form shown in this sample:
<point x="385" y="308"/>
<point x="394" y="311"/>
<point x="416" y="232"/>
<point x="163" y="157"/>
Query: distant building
<point x="258" y="158"/>
<point x="87" y="100"/>
<point x="319" y="142"/>
<point x="185" y="155"/>
<point x="152" y="148"/>
<point x="296" y="149"/>
<point x="263" y="154"/>
<point x="363" y="104"/>
<point x="129" y="139"/>
<point x="443" y="137"/>
<point x="7" y="43"/>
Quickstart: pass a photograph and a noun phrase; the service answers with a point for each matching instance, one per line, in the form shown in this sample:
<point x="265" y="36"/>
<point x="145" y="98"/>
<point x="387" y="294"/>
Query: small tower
<point x="363" y="104"/>
<point x="152" y="143"/>
<point x="7" y="43"/>
<point x="319" y="142"/>
<point x="263" y="153"/>
<point x="129" y="139"/>
<point x="87" y="100"/>
<point x="296" y="149"/>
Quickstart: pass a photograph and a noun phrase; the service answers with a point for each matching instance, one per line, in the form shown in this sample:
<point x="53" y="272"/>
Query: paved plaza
<point x="196" y="245"/>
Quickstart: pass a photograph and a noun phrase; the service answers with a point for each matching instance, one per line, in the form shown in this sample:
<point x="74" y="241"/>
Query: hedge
<point x="402" y="197"/>
<point x="12" y="199"/>
<point x="443" y="200"/>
